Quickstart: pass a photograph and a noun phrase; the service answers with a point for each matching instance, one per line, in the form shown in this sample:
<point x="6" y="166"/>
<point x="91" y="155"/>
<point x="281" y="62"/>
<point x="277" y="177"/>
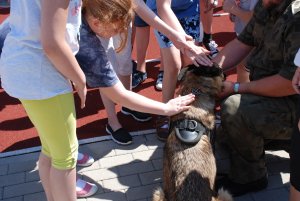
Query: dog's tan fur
<point x="189" y="171"/>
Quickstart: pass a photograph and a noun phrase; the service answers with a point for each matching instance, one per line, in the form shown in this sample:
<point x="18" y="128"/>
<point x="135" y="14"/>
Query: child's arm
<point x="167" y="15"/>
<point x="53" y="28"/>
<point x="120" y="95"/>
<point x="178" y="38"/>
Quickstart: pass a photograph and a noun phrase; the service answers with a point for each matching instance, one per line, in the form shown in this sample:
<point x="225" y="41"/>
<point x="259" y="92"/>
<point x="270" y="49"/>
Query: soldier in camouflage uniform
<point x="264" y="108"/>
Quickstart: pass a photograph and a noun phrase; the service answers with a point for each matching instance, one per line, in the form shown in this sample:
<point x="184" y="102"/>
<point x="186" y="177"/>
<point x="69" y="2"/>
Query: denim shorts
<point x="139" y="22"/>
<point x="191" y="26"/>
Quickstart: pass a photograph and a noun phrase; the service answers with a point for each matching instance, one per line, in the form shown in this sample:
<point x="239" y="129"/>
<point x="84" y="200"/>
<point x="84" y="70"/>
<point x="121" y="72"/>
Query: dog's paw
<point x="224" y="195"/>
<point x="159" y="195"/>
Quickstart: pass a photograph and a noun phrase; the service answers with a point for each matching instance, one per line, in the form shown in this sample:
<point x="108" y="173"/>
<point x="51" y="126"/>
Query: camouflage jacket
<point x="275" y="35"/>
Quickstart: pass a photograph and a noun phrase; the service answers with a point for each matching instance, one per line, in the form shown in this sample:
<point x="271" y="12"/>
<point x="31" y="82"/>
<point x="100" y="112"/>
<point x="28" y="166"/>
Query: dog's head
<point x="203" y="79"/>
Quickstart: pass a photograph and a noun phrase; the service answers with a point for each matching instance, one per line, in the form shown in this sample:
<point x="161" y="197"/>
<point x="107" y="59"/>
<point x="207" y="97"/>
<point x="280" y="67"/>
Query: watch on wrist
<point x="236" y="87"/>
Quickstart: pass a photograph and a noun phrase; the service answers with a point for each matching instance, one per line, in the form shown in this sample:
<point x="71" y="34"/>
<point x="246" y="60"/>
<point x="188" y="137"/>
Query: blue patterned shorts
<point x="191" y="26"/>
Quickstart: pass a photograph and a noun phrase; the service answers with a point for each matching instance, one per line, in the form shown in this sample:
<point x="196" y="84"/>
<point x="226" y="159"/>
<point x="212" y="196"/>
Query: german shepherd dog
<point x="189" y="166"/>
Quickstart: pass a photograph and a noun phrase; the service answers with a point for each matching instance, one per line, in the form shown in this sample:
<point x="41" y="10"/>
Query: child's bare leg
<point x="44" y="165"/>
<point x="63" y="184"/>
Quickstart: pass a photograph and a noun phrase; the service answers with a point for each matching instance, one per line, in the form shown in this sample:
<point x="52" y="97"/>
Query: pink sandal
<point x="84" y="160"/>
<point x="85" y="189"/>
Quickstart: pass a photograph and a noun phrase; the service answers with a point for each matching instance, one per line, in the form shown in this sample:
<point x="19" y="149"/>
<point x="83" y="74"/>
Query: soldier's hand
<point x="227" y="89"/>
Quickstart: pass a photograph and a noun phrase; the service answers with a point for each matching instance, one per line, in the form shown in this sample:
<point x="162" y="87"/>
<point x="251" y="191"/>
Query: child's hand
<point x="81" y="91"/>
<point x="180" y="40"/>
<point x="201" y="57"/>
<point x="179" y="104"/>
<point x="197" y="56"/>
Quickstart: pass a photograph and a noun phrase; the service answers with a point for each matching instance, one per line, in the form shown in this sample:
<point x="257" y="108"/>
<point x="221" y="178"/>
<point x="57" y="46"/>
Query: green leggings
<point x="55" y="121"/>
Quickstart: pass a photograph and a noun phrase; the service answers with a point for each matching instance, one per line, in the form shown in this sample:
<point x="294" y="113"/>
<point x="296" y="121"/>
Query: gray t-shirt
<point x="245" y="5"/>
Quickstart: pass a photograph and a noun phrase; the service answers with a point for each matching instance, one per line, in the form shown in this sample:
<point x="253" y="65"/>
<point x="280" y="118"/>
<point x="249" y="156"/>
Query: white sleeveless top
<point x="25" y="71"/>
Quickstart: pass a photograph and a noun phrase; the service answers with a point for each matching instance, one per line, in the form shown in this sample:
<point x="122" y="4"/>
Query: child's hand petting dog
<point x="179" y="104"/>
<point x="196" y="57"/>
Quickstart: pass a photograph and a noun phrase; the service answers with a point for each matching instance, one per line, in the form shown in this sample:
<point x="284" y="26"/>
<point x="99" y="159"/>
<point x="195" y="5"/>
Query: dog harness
<point x="189" y="131"/>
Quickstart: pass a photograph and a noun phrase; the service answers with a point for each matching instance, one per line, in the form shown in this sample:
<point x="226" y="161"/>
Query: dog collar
<point x="189" y="131"/>
<point x="198" y="92"/>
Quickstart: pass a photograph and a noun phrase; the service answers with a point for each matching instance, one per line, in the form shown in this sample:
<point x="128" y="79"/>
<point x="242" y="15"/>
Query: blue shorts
<point x="139" y="22"/>
<point x="191" y="26"/>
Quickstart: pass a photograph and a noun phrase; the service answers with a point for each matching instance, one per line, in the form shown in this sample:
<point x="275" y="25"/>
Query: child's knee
<point x="65" y="162"/>
<point x="65" y="158"/>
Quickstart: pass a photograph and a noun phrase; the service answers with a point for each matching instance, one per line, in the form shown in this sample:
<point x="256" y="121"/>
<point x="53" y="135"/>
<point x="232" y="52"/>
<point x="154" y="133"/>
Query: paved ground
<point x="128" y="173"/>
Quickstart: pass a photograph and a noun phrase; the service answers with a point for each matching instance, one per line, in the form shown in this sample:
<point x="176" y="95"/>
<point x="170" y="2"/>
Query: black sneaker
<point x="211" y="46"/>
<point x="134" y="66"/>
<point x="120" y="136"/>
<point x="139" y="116"/>
<point x="138" y="77"/>
<point x="237" y="189"/>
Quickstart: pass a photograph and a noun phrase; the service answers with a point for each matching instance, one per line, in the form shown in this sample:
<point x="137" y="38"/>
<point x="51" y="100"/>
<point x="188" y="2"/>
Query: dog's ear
<point x="182" y="74"/>
<point x="184" y="70"/>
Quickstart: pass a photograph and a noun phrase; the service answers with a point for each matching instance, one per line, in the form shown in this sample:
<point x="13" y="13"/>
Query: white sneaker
<point x="159" y="81"/>
<point x="85" y="189"/>
<point x="84" y="160"/>
<point x="212" y="47"/>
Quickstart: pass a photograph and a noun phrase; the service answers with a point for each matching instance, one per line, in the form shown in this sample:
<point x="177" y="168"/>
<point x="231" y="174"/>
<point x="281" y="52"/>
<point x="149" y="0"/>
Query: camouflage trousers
<point x="246" y="122"/>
